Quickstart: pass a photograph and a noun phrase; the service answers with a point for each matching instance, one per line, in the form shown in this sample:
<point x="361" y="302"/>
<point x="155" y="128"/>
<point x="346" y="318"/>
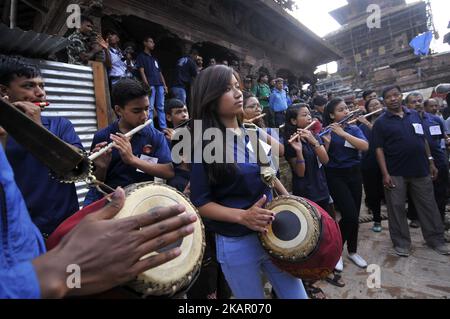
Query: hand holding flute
<point x="255" y="118"/>
<point x="42" y="105"/>
<point x="365" y="116"/>
<point x="296" y="135"/>
<point x="95" y="155"/>
<point x="345" y="120"/>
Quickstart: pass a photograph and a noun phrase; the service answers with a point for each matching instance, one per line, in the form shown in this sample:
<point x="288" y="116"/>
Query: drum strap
<point x="268" y="174"/>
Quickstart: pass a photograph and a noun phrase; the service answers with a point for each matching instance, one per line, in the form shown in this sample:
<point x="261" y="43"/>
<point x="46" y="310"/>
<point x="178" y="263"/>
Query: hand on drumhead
<point x="109" y="252"/>
<point x="256" y="217"/>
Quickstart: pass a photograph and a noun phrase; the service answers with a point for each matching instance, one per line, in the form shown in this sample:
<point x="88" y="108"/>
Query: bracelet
<point x="300" y="162"/>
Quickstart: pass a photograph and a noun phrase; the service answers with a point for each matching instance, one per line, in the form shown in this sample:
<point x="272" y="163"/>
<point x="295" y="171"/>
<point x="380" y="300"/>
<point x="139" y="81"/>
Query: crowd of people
<point x="397" y="156"/>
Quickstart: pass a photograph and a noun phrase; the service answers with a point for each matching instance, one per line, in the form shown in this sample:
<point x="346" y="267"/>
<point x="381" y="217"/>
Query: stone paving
<point x="423" y="275"/>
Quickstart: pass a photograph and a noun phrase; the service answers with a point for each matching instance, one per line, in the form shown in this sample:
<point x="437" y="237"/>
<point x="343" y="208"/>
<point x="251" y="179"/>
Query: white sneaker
<point x="340" y="265"/>
<point x="358" y="260"/>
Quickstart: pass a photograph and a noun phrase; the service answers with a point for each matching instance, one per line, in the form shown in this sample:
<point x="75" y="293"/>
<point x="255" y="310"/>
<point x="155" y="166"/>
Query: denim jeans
<point x="243" y="258"/>
<point x="179" y="93"/>
<point x="157" y="100"/>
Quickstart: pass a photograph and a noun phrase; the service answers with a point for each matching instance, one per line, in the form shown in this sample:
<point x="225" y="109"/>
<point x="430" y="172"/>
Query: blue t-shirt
<point x="185" y="71"/>
<point x="48" y="201"/>
<point x="278" y="100"/>
<point x="403" y="143"/>
<point x="20" y="240"/>
<point x="369" y="158"/>
<point x="313" y="185"/>
<point x="341" y="153"/>
<point x="121" y="174"/>
<point x="151" y="68"/>
<point x="434" y="131"/>
<point x="180" y="180"/>
<point x="241" y="188"/>
<point x="118" y="66"/>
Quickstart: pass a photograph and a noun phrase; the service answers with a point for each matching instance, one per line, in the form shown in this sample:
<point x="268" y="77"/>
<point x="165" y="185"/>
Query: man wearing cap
<point x="278" y="102"/>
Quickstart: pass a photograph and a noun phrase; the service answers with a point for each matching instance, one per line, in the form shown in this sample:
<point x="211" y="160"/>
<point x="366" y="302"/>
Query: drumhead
<point x="295" y="232"/>
<point x="168" y="278"/>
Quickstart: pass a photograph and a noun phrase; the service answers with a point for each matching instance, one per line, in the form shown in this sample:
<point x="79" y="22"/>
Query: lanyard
<point x="268" y="174"/>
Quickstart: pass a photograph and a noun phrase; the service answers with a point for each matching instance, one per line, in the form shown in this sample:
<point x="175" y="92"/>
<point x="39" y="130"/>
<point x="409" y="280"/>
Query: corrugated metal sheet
<point x="70" y="91"/>
<point x="29" y="43"/>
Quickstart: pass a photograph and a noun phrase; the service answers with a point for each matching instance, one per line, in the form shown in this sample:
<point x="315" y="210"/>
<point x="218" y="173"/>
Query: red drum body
<point x="303" y="240"/>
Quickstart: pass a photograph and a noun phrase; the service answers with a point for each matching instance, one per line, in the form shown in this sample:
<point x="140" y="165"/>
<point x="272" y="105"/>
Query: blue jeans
<point x="243" y="258"/>
<point x="157" y="100"/>
<point x="179" y="93"/>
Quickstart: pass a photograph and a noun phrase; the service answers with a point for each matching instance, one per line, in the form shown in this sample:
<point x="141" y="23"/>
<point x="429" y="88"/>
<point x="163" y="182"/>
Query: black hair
<point x="319" y="101"/>
<point x="411" y="95"/>
<point x="261" y="75"/>
<point x="111" y="32"/>
<point x="84" y="19"/>
<point x="207" y="89"/>
<point x="366" y="93"/>
<point x="146" y="37"/>
<point x="247" y="95"/>
<point x="329" y="109"/>
<point x="16" y="66"/>
<point x="127" y="90"/>
<point x="427" y="101"/>
<point x="366" y="105"/>
<point x="292" y="113"/>
<point x="172" y="104"/>
<point x="389" y="88"/>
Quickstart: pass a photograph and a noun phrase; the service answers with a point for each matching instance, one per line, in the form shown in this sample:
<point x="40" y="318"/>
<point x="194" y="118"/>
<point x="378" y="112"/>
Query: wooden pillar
<point x="13" y="14"/>
<point x="105" y="115"/>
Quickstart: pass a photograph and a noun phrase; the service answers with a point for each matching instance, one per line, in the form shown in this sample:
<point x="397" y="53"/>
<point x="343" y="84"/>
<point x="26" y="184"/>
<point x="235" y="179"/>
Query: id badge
<point x="147" y="159"/>
<point x="348" y="144"/>
<point x="418" y="128"/>
<point x="435" y="130"/>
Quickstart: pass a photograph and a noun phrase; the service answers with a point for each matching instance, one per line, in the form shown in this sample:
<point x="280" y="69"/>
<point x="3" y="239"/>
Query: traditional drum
<point x="303" y="240"/>
<point x="168" y="279"/>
